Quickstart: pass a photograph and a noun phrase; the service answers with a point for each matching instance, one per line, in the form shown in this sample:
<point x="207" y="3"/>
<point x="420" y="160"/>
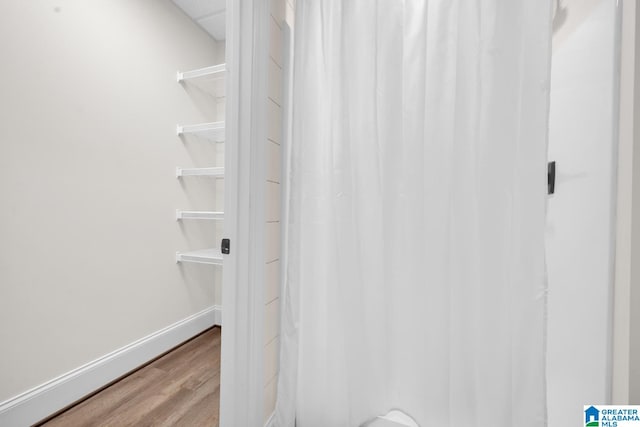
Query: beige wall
<point x="88" y="108"/>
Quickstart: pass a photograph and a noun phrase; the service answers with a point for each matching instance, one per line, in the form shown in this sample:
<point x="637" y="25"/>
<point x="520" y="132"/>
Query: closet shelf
<point x="212" y="131"/>
<point x="199" y="215"/>
<point x="214" y="172"/>
<point x="203" y="256"/>
<point x="217" y="71"/>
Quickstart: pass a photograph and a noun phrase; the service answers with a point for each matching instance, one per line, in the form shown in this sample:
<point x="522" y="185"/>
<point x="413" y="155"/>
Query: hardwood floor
<point x="181" y="388"/>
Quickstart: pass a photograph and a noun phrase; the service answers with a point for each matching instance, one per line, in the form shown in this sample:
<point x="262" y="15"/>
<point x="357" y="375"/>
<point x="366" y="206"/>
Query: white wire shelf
<point x="203" y="256"/>
<point x="215" y="71"/>
<point x="213" y="131"/>
<point x="210" y="80"/>
<point x="210" y="215"/>
<point x="213" y="172"/>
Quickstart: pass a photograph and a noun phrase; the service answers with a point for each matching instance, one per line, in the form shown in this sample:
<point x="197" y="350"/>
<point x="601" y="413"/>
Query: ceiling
<point x="209" y="14"/>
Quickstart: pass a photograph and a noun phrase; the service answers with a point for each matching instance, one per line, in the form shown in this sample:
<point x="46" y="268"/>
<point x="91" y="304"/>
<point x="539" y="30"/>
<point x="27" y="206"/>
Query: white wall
<point x="88" y="108"/>
<point x="580" y="241"/>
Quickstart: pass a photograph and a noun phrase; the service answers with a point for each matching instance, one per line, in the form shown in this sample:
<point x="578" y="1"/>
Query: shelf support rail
<point x="199" y="215"/>
<point x="216" y="172"/>
<point x="200" y="72"/>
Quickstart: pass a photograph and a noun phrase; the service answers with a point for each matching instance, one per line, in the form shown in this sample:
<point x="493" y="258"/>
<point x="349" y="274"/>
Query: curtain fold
<point x="414" y="275"/>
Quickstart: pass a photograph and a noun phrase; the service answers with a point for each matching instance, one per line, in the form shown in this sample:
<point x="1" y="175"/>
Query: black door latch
<point x="225" y="246"/>
<point x="551" y="177"/>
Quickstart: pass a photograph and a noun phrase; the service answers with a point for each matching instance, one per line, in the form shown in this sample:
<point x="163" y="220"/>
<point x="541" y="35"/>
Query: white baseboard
<point x="42" y="401"/>
<point x="217" y="315"/>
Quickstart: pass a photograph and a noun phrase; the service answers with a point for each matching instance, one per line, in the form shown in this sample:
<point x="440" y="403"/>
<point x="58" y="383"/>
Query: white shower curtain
<point x="415" y="274"/>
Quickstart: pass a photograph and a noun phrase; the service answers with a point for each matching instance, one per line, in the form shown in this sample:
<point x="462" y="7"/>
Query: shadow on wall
<point x="568" y="15"/>
<point x="559" y="16"/>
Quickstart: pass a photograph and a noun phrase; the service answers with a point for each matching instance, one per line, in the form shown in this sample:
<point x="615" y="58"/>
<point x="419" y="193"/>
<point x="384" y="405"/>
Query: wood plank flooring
<point x="181" y="388"/>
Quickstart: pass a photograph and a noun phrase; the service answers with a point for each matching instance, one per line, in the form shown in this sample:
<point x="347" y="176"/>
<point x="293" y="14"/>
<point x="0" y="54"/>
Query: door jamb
<point x="241" y="385"/>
